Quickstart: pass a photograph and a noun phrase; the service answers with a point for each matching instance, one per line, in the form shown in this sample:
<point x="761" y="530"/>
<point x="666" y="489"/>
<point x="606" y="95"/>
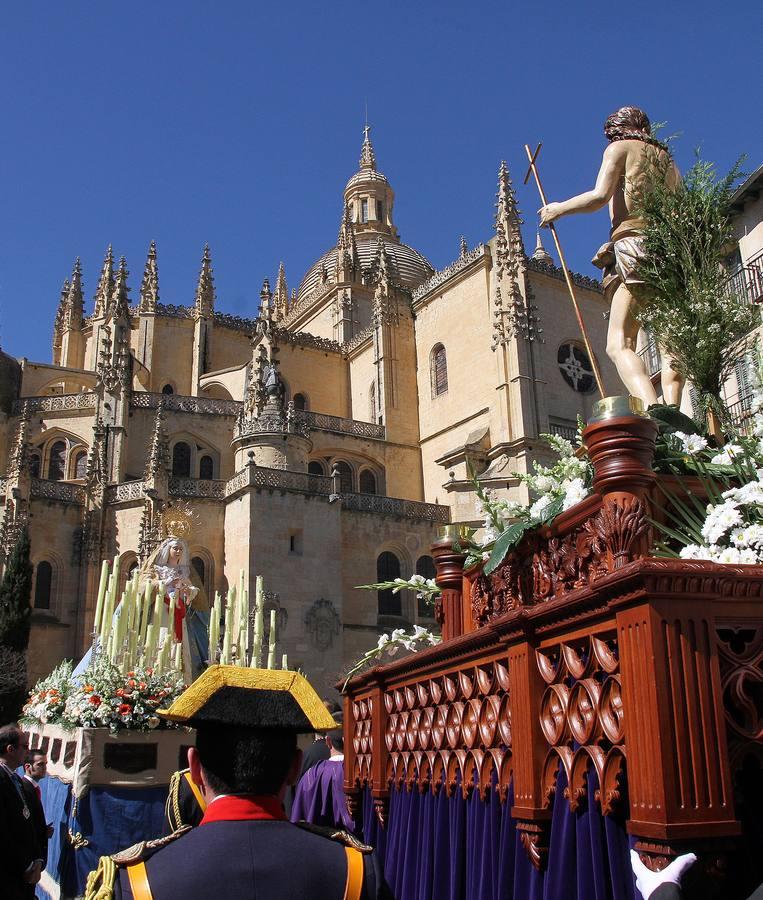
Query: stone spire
<point x="367" y="156"/>
<point x="463" y="248"/>
<point x="346" y="248"/>
<point x="75" y="300"/>
<point x="266" y="297"/>
<point x="158" y="455"/>
<point x="384" y="310"/>
<point x="149" y="287"/>
<point x="281" y="296"/>
<point x="507" y="221"/>
<point x="120" y="301"/>
<point x="540" y="254"/>
<point x="58" y="322"/>
<point x="204" y="302"/>
<point x="105" y="285"/>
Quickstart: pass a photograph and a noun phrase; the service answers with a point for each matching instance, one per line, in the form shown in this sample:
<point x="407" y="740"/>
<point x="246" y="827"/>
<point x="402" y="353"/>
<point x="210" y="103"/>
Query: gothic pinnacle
<point x="540" y="253"/>
<point x="204" y="302"/>
<point x="367" y="156"/>
<point x="120" y="307"/>
<point x="149" y="287"/>
<point x="105" y="286"/>
<point x="464" y="247"/>
<point x="266" y="296"/>
<point x="281" y="296"/>
<point x="75" y="301"/>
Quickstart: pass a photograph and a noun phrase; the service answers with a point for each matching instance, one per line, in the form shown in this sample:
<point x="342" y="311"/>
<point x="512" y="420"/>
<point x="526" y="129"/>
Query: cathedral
<point x="321" y="443"/>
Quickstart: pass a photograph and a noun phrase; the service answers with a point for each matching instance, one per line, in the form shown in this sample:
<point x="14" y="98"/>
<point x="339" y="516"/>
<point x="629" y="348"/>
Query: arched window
<point x="314" y="467"/>
<point x="198" y="563"/>
<point x="181" y="460"/>
<point x="425" y="567"/>
<point x="34" y="465"/>
<point x="206" y="468"/>
<point x="42" y="585"/>
<point x="387" y="569"/>
<point x="80" y="464"/>
<point x="367" y="482"/>
<point x="438" y="370"/>
<point x="372" y="402"/>
<point x="168" y="389"/>
<point x="345" y="476"/>
<point x="57" y="461"/>
<point x="300" y="402"/>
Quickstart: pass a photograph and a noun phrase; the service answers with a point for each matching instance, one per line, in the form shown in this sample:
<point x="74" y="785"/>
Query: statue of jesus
<point x="632" y="156"/>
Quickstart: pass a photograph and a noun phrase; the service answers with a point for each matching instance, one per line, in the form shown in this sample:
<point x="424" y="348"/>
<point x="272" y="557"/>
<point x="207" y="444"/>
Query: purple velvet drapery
<point x="451" y="848"/>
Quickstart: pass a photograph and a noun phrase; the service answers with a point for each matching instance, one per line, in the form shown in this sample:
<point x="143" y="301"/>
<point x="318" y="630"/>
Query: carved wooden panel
<point x="362" y="741"/>
<point x="582" y="718"/>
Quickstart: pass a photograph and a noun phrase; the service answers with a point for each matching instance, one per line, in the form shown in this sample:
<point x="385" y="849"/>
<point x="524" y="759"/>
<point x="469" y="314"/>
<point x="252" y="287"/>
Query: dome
<point x="407" y="266"/>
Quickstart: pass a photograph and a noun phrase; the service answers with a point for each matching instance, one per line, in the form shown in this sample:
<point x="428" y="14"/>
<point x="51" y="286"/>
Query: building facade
<point x="319" y="443"/>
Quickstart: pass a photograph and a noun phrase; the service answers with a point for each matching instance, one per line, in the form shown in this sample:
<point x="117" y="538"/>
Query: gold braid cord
<point x="172" y="807"/>
<point x="100" y="882"/>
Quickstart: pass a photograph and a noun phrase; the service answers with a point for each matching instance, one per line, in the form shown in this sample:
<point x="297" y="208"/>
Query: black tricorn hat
<point x="241" y="697"/>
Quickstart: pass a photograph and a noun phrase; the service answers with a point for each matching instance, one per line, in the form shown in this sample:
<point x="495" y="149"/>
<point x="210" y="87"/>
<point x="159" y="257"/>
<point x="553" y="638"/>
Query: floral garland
<point x="103" y="697"/>
<point x="391" y="644"/>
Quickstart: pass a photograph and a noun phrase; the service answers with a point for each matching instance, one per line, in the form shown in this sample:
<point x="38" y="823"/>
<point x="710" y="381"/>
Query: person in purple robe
<point x="320" y="798"/>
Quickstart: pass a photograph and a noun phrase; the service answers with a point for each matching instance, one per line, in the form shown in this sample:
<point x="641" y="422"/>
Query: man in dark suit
<point x="35" y="769"/>
<point x="20" y="856"/>
<point x="246" y="721"/>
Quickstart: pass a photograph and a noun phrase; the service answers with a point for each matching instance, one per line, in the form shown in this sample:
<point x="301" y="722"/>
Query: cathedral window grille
<point x="198" y="563"/>
<point x="315" y="468"/>
<point x="181" y="460"/>
<point x="43" y="584"/>
<point x="425" y="567"/>
<point x="206" y="468"/>
<point x="57" y="461"/>
<point x="35" y="465"/>
<point x="364" y="210"/>
<point x="387" y="569"/>
<point x="168" y="389"/>
<point x="80" y="464"/>
<point x="367" y="482"/>
<point x="439" y="370"/>
<point x="300" y="402"/>
<point x="345" y="477"/>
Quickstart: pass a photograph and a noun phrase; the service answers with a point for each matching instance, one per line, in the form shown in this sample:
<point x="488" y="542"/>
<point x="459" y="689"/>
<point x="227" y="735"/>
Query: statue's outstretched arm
<point x="609" y="174"/>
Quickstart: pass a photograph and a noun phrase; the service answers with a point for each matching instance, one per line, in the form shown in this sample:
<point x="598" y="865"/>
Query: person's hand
<point x="648" y="881"/>
<point x="33" y="873"/>
<point x="549" y="213"/>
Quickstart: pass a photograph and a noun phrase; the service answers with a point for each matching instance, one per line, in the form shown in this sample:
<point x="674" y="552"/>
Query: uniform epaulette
<point x="172" y="807"/>
<point x="336" y="834"/>
<point x="145" y="849"/>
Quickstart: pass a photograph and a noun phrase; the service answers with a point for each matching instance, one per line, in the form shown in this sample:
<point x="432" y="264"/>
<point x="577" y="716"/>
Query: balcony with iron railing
<point x="746" y="281"/>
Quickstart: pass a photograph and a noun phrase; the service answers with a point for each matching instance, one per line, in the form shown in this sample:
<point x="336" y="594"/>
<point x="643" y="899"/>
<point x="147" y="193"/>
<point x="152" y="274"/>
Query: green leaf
<point x="552" y="510"/>
<point x="504" y="542"/>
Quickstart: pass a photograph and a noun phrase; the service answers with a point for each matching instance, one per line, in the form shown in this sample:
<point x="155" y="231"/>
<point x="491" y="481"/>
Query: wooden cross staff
<point x="567" y="277"/>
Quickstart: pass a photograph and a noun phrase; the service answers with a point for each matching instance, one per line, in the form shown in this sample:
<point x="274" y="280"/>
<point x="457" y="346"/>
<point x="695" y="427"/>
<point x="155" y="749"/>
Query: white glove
<point x="647" y="881"/>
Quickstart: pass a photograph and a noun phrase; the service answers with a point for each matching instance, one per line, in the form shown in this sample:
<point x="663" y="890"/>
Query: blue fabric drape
<point x="451" y="848"/>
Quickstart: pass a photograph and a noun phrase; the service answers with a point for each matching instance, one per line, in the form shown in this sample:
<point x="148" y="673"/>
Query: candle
<point x="102" y="585"/>
<point x="259" y="621"/>
<point x="178" y="661"/>
<point x="272" y="641"/>
<point x="284" y="662"/>
<point x="108" y="611"/>
<point x="228" y="624"/>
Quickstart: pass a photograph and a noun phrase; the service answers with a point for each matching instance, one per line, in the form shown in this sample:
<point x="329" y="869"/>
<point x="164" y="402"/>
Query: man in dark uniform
<point x="185" y="803"/>
<point x="20" y="855"/>
<point x="247" y="721"/>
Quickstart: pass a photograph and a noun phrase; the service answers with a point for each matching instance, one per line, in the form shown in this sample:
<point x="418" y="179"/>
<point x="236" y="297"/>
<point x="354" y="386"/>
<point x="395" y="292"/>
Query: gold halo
<point x="178" y="519"/>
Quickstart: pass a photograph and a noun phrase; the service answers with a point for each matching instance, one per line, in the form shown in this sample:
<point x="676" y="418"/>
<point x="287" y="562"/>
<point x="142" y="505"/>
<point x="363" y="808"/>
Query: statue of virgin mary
<point x="169" y="567"/>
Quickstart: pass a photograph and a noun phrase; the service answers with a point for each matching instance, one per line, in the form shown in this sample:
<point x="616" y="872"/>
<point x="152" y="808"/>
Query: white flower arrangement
<point x="390" y="645"/>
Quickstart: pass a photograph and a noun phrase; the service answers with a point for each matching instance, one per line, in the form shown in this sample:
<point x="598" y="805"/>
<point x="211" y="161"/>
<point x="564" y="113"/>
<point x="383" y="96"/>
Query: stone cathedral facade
<point x="319" y="443"/>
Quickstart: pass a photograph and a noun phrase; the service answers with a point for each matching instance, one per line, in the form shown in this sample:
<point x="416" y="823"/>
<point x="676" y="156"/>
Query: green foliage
<point x="689" y="306"/>
<point x="15" y="591"/>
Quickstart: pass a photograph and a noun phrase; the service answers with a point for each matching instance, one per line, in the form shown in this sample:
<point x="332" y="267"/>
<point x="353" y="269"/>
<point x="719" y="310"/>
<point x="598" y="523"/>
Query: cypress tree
<point x="15" y="592"/>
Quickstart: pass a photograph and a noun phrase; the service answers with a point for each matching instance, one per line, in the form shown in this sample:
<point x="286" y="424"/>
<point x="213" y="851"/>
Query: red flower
<point x="95" y="699"/>
<point x="142" y="686"/>
<point x="130" y="674"/>
<point x="89" y="688"/>
<point x="131" y="683"/>
<point x="124" y="709"/>
<point x="120" y="692"/>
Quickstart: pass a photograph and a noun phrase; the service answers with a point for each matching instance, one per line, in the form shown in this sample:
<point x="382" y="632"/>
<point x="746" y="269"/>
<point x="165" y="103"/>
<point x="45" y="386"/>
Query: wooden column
<point x="449" y="565"/>
<point x="379" y="784"/>
<point x="529" y="749"/>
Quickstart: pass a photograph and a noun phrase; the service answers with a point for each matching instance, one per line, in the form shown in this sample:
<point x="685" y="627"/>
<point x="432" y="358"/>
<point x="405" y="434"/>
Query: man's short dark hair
<point x="245" y="761"/>
<point x="9" y="735"/>
<point x="32" y="755"/>
<point x="336" y="736"/>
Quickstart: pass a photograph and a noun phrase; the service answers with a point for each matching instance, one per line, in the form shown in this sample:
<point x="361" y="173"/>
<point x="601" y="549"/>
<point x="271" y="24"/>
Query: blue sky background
<point x="239" y="123"/>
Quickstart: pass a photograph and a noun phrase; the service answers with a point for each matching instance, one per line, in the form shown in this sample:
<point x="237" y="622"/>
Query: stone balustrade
<point x="209" y="406"/>
<point x="392" y="506"/>
<point x="62" y="491"/>
<point x="125" y="492"/>
<point x="58" y="403"/>
<point x="198" y="488"/>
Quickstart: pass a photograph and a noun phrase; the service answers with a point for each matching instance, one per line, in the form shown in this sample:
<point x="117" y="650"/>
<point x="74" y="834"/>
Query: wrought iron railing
<point x="58" y="402"/>
<point x="180" y="403"/>
<point x="568" y="432"/>
<point x="747" y="281"/>
<point x="62" y="491"/>
<point x="740" y="413"/>
<point x="392" y="506"/>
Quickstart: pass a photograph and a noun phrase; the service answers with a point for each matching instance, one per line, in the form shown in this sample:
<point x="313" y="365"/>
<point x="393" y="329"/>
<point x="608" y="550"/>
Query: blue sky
<point x="239" y="123"/>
